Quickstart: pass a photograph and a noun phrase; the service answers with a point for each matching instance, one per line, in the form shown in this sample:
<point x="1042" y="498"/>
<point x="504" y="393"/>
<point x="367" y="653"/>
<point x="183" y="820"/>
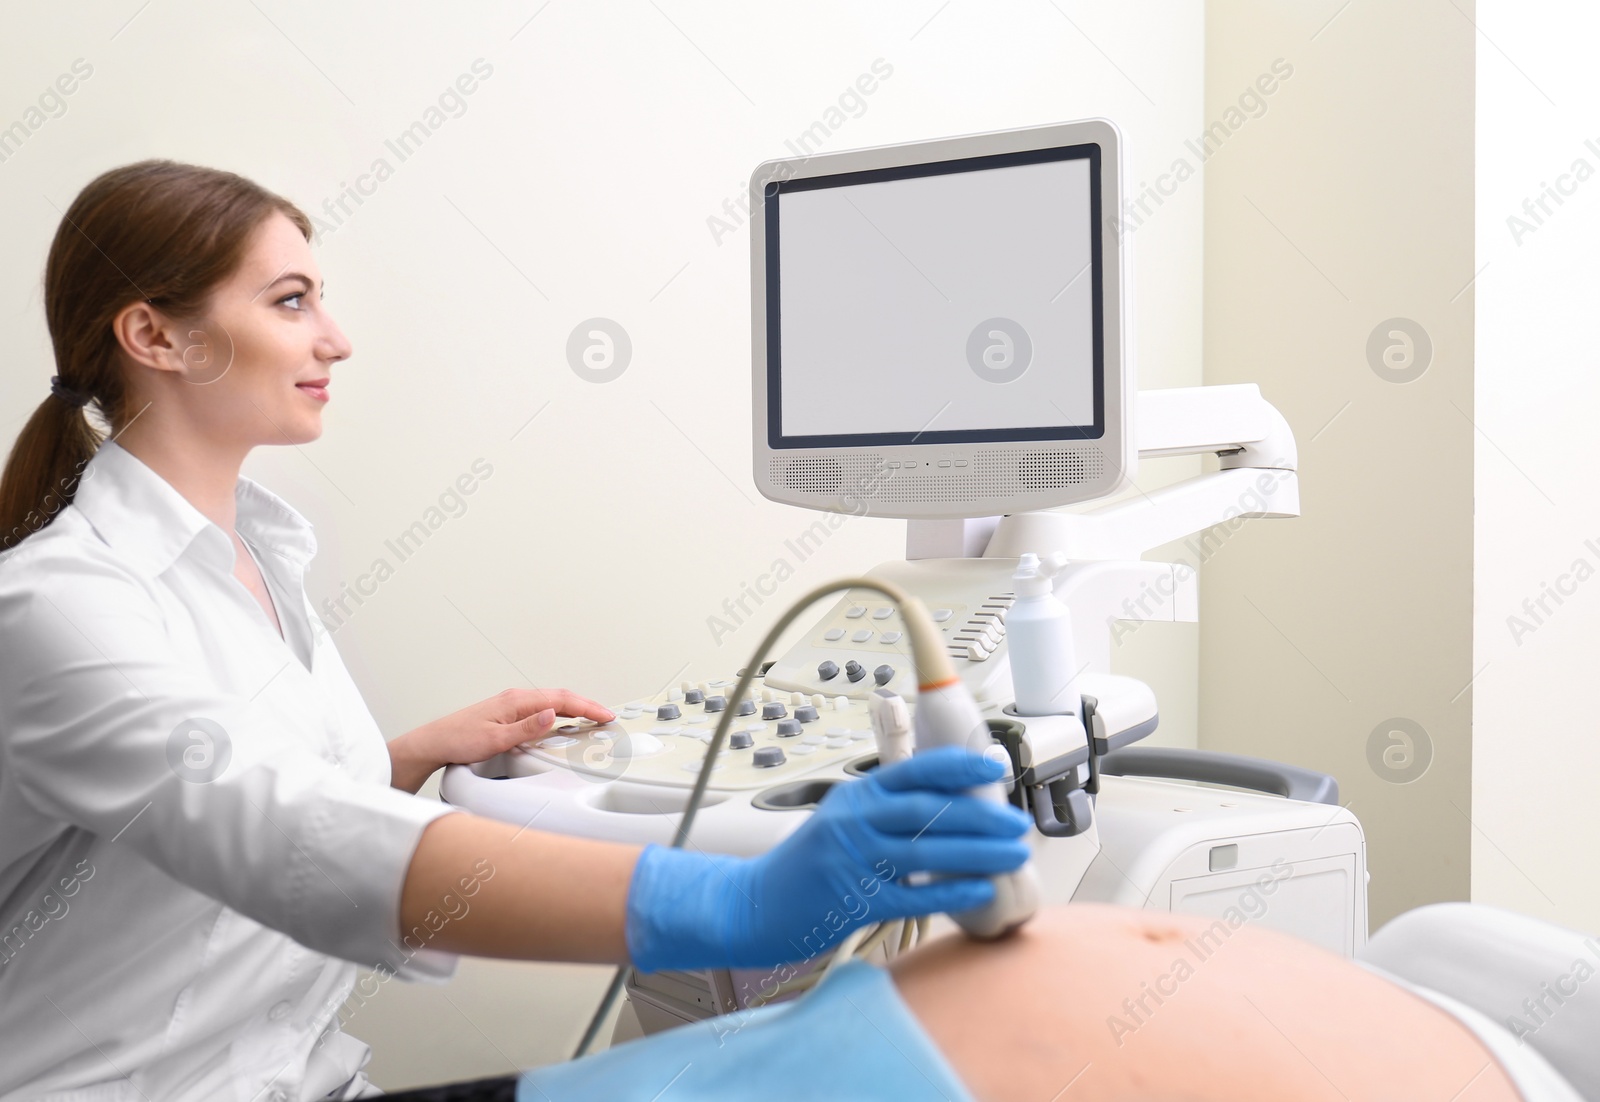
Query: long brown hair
<point x="156" y="231"/>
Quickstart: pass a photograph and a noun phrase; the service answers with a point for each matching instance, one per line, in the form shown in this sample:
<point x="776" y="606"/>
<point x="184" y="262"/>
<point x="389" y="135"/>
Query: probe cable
<point x="921" y="631"/>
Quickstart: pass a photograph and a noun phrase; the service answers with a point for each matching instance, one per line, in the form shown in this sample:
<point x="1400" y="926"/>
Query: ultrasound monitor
<point x="937" y="326"/>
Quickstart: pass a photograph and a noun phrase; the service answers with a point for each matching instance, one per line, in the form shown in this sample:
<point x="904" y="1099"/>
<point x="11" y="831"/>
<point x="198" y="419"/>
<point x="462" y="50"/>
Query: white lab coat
<point x="163" y="935"/>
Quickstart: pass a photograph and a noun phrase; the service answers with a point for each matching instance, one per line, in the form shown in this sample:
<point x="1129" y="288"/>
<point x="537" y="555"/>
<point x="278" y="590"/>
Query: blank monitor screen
<point x="939" y="303"/>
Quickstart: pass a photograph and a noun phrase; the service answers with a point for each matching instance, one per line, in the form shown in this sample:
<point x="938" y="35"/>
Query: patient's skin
<point x="1261" y="1016"/>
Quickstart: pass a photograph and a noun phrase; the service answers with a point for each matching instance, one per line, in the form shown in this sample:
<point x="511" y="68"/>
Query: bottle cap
<point x="1035" y="577"/>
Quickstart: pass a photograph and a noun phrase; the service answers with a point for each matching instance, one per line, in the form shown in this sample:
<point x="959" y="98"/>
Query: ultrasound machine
<point x="940" y="334"/>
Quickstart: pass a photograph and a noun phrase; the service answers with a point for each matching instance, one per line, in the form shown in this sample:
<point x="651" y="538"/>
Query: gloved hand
<point x="844" y="867"/>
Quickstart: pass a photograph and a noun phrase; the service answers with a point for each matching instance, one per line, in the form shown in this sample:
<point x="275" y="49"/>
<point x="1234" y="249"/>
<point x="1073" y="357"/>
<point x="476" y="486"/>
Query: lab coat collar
<point x="151" y="524"/>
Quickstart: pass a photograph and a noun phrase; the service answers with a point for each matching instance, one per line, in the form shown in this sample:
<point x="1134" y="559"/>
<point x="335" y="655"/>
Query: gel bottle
<point x="1044" y="662"/>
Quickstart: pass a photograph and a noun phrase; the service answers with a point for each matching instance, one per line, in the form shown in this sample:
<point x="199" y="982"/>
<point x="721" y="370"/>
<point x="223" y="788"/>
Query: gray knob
<point x="669" y="711"/>
<point x="854" y="670"/>
<point x="773" y="710"/>
<point x="883" y="674"/>
<point x="767" y="756"/>
<point x="747" y="707"/>
<point x="827" y="671"/>
<point x="740" y="740"/>
<point x="787" y="728"/>
<point x="715" y="703"/>
<point x="694" y="696"/>
<point x="806" y="713"/>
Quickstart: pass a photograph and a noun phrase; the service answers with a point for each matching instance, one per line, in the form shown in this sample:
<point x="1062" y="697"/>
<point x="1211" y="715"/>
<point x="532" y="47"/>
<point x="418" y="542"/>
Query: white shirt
<point x="166" y="936"/>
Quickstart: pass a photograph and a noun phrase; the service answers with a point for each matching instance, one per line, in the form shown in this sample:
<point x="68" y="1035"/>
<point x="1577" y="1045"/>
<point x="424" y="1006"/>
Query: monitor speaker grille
<point x="991" y="473"/>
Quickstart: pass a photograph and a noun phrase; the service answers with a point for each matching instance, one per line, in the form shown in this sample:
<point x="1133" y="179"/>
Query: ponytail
<point x="46" y="462"/>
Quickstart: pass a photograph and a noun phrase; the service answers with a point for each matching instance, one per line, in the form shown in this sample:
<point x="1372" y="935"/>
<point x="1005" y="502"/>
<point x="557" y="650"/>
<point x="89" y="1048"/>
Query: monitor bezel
<point x="946" y="466"/>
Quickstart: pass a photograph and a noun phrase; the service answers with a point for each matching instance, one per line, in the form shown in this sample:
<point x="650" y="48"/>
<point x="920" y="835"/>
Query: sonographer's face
<point x="264" y="344"/>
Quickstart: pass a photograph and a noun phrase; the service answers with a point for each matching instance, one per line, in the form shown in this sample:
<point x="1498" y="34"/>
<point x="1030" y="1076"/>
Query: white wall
<point x="577" y="183"/>
<point x="1537" y="529"/>
<point x="1345" y="202"/>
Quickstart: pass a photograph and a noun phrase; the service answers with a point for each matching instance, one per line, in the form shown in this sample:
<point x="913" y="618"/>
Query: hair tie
<point x="67" y="394"/>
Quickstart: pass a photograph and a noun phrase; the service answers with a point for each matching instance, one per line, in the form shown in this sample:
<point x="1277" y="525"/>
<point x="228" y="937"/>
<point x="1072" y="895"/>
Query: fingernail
<point x="545" y="718"/>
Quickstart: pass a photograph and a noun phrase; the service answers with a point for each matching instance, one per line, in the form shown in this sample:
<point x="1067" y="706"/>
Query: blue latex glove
<point x="845" y="867"/>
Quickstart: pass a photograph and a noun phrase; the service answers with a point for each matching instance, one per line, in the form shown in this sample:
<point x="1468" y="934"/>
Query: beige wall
<point x="578" y="182"/>
<point x="1347" y="203"/>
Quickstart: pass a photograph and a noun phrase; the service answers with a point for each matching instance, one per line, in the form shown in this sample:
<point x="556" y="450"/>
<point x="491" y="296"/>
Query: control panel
<point x="775" y="734"/>
<point x="629" y="779"/>
<point x="862" y="630"/>
<point x="860" y="644"/>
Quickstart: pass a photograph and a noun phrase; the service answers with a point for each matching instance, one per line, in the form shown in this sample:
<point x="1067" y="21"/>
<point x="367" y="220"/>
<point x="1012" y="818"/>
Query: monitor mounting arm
<point x="1108" y="580"/>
